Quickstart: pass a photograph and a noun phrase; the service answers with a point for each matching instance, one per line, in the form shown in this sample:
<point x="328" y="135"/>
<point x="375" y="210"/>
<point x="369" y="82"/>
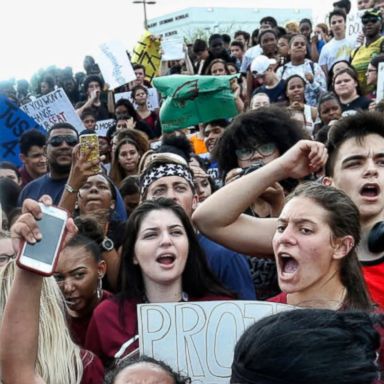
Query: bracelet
<point x="69" y="189"/>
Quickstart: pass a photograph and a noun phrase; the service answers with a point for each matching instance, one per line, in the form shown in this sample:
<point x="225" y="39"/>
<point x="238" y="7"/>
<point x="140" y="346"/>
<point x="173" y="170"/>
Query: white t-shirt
<point x="249" y="56"/>
<point x="335" y="50"/>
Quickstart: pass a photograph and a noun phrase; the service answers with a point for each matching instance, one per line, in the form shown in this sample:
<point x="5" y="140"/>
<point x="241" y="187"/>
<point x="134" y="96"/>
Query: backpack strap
<point x="282" y="72"/>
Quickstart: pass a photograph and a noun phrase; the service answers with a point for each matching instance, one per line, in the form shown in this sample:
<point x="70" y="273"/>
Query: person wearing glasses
<point x="62" y="137"/>
<point x="254" y="139"/>
<point x="259" y="135"/>
<point x="61" y="141"/>
<point x="373" y="45"/>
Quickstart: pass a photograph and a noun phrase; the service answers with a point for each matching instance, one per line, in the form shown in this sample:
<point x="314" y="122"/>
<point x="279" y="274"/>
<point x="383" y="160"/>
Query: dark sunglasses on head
<point x="56" y="141"/>
<point x="370" y="19"/>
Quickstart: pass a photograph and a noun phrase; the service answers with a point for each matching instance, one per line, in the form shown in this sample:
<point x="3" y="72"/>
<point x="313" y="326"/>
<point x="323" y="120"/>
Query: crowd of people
<point x="282" y="203"/>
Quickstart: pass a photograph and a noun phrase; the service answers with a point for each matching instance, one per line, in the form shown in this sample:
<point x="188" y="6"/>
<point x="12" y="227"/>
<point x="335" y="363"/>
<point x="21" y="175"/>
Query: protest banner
<point x="380" y="83"/>
<point x="198" y="338"/>
<point x="114" y="64"/>
<point x="152" y="102"/>
<point x="13" y="122"/>
<point x="173" y="49"/>
<point x="190" y="100"/>
<point x="102" y="126"/>
<point x="53" y="108"/>
<point x="147" y="53"/>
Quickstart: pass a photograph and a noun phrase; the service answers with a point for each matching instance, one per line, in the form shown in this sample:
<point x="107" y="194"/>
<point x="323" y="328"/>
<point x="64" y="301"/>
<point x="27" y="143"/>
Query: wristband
<point x="69" y="189"/>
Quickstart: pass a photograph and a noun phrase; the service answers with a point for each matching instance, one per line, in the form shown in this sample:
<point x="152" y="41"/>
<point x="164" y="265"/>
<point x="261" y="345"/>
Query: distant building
<point x="188" y="22"/>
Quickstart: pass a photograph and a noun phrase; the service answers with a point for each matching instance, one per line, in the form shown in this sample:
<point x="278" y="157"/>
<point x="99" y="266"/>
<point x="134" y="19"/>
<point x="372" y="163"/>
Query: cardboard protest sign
<point x="190" y="100"/>
<point x="102" y="126"/>
<point x="13" y="122"/>
<point x="147" y="53"/>
<point x="114" y="64"/>
<point x="53" y="108"/>
<point x="173" y="49"/>
<point x="198" y="338"/>
<point x="354" y="25"/>
<point x="380" y="83"/>
<point x="152" y="102"/>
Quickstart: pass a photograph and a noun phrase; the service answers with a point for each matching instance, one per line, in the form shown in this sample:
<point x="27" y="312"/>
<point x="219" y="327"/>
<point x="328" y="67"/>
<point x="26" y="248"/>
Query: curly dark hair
<point x="265" y="125"/>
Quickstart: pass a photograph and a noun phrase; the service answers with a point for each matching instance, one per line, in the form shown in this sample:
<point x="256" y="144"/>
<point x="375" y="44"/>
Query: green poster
<point x="190" y="100"/>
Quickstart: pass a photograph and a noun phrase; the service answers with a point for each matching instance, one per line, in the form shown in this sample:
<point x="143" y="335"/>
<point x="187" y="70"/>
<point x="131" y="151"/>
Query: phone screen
<point x="51" y="230"/>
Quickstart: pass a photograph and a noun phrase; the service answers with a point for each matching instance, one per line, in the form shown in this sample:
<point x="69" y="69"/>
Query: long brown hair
<point x="135" y="138"/>
<point x="344" y="220"/>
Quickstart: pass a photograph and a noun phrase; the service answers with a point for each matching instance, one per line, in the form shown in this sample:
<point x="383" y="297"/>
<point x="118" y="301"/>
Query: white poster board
<point x="102" y="126"/>
<point x="354" y="25"/>
<point x="53" y="108"/>
<point x="380" y="83"/>
<point x="114" y="64"/>
<point x="198" y="338"/>
<point x="153" y="98"/>
<point x="172" y="49"/>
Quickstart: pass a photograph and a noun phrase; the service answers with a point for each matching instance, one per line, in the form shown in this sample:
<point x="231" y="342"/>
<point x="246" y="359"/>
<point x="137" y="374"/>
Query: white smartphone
<point x="42" y="256"/>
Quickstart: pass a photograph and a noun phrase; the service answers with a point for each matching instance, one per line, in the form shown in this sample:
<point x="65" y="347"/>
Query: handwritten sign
<point x="114" y="64"/>
<point x="152" y="101"/>
<point x="172" y="49"/>
<point x="147" y="53"/>
<point x="354" y="26"/>
<point x="53" y="108"/>
<point x="198" y="338"/>
<point x="102" y="126"/>
<point x="380" y="83"/>
<point x="13" y="122"/>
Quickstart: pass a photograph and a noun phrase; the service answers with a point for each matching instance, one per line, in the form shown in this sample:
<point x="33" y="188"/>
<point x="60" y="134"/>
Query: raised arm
<point x="220" y="216"/>
<point x="81" y="169"/>
<point x="20" y="324"/>
<point x="19" y="330"/>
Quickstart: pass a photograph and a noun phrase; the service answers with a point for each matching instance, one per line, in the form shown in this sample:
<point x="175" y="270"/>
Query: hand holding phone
<point x="89" y="147"/>
<point x="42" y="230"/>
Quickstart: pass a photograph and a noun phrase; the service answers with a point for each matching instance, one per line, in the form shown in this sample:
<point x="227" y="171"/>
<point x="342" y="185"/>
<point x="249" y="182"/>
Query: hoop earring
<point x="99" y="290"/>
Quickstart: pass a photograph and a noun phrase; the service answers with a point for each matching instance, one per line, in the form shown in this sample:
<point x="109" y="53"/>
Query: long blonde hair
<point x="58" y="357"/>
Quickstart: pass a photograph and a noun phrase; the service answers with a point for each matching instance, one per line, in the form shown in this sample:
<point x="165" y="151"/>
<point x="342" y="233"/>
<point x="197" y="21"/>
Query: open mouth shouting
<point x="166" y="260"/>
<point x="370" y="191"/>
<point x="287" y="266"/>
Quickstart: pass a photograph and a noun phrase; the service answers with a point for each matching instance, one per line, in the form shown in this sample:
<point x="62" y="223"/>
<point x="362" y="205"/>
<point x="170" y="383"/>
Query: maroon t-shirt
<point x="280" y="298"/>
<point x="93" y="368"/>
<point x="106" y="334"/>
<point x="78" y="325"/>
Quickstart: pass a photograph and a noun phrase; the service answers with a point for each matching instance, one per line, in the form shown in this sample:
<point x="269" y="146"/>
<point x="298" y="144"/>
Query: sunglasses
<point x="371" y="19"/>
<point x="56" y="141"/>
